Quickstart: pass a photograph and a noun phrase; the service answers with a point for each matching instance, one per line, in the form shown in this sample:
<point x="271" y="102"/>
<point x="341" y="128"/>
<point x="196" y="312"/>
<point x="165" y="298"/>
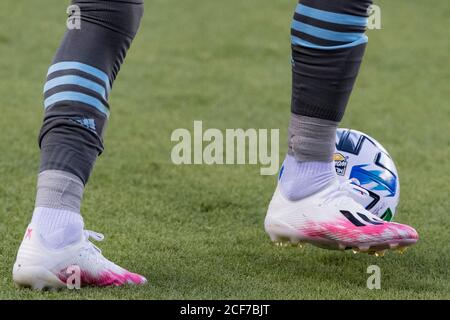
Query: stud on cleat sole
<point x="401" y="250"/>
<point x="282" y="244"/>
<point x="301" y="245"/>
<point x="379" y="254"/>
<point x="355" y="250"/>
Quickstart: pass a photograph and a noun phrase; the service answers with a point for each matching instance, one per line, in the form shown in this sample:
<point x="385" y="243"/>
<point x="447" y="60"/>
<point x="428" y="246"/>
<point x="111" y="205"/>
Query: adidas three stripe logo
<point x="76" y="81"/>
<point x="360" y="219"/>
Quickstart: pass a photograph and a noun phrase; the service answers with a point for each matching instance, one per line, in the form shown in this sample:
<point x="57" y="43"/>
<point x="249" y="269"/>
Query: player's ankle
<point x="57" y="211"/>
<point x="299" y="180"/>
<point x="57" y="228"/>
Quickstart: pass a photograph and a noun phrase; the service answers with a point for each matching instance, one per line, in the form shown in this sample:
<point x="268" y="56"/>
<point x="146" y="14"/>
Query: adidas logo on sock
<point x="88" y="123"/>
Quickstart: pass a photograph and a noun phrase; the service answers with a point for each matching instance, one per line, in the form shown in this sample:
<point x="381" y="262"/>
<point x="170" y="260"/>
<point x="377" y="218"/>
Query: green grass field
<point x="197" y="231"/>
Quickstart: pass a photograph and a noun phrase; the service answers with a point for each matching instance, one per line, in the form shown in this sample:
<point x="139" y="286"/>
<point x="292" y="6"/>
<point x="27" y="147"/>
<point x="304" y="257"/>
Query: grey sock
<point x="59" y="190"/>
<point x="312" y="139"/>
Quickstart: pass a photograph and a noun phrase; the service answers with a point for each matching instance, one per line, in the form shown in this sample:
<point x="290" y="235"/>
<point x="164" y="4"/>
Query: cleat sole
<point x="283" y="236"/>
<point x="37" y="278"/>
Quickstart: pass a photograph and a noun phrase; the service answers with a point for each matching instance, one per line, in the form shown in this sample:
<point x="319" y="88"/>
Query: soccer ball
<point x="366" y="162"/>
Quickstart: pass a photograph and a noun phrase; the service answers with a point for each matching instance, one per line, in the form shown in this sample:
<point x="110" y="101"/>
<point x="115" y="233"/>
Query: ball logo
<point x="340" y="163"/>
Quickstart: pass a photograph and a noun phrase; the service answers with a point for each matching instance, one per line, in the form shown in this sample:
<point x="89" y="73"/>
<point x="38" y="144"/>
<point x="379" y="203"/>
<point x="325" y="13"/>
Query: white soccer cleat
<point x="41" y="268"/>
<point x="332" y="219"/>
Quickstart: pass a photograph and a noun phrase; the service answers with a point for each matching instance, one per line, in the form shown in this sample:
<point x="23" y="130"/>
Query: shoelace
<point x="348" y="191"/>
<point x="353" y="186"/>
<point x="89" y="234"/>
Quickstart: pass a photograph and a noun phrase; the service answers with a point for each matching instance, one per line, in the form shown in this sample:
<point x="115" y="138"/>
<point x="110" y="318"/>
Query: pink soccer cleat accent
<point x="28" y="234"/>
<point x="42" y="268"/>
<point x="331" y="219"/>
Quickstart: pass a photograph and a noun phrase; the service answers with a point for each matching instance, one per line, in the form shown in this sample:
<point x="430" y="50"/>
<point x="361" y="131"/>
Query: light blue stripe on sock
<point x="82" y="67"/>
<point x="76" y="96"/>
<point x="326" y="34"/>
<point x="338" y="18"/>
<point x="75" y="80"/>
<point x="297" y="41"/>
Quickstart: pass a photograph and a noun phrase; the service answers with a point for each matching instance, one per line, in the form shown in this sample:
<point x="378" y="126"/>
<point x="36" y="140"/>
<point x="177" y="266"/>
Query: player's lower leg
<point x="309" y="205"/>
<point x="76" y="111"/>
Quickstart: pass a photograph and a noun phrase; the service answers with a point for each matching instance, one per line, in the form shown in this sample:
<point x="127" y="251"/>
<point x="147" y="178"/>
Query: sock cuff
<point x="302" y="179"/>
<point x="59" y="190"/>
<point x="62" y="174"/>
<point x="51" y="219"/>
<point x="308" y="168"/>
<point x="312" y="139"/>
